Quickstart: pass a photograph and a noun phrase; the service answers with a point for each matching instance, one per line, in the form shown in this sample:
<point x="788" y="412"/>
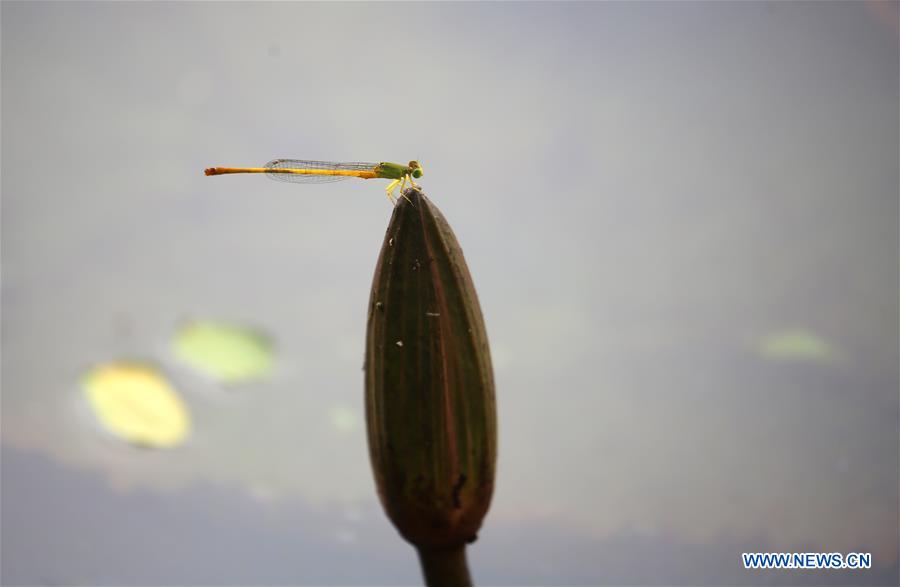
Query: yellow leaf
<point x="135" y="402"/>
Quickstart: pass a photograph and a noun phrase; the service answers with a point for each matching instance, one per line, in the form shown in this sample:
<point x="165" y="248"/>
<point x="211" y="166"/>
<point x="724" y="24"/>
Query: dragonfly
<point x="307" y="171"/>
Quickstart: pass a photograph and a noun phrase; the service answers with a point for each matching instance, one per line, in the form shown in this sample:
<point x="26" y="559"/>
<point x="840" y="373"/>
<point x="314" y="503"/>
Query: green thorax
<point x="398" y="171"/>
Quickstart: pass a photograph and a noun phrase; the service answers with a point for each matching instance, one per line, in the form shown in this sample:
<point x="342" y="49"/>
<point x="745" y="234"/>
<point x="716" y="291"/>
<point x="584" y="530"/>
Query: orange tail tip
<point x="210" y="171"/>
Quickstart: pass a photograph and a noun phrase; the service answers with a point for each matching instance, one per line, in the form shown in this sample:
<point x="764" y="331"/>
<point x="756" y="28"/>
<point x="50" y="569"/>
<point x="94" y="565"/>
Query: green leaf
<point x="796" y="345"/>
<point x="225" y="352"/>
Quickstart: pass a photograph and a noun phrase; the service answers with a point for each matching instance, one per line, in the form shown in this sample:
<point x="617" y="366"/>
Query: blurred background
<point x="681" y="218"/>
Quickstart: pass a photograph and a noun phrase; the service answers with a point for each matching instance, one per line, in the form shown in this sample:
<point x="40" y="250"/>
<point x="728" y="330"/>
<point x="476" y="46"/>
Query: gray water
<point x="656" y="201"/>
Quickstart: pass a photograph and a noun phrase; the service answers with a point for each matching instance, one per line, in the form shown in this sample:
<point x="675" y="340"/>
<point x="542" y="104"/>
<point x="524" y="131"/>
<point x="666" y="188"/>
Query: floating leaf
<point x="228" y="353"/>
<point x="795" y="345"/>
<point x="135" y="402"/>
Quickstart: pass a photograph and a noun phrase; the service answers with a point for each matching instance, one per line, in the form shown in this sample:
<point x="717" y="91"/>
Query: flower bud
<point x="430" y="407"/>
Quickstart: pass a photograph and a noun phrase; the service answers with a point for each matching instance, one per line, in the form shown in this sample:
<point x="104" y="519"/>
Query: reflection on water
<point x="638" y="212"/>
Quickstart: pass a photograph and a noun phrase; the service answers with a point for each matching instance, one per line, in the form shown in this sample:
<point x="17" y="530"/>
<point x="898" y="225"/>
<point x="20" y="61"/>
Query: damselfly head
<point x="416" y="169"/>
